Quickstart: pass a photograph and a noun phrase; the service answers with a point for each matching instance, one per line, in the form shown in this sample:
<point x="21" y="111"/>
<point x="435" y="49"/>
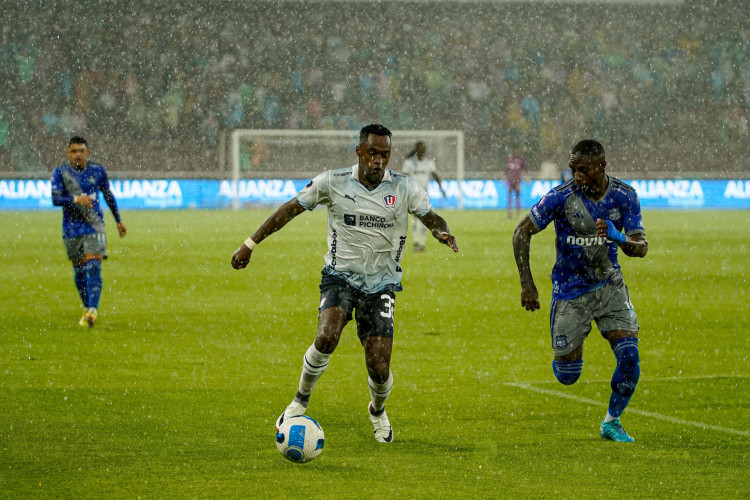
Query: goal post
<point x="303" y="154"/>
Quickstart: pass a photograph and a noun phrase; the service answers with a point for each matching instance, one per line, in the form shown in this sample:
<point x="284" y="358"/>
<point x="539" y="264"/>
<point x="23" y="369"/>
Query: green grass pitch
<point x="175" y="393"/>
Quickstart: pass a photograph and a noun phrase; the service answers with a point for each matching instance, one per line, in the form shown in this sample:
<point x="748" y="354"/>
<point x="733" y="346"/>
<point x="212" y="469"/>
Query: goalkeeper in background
<point x="421" y="168"/>
<point x="368" y="219"/>
<point x="589" y="212"/>
<point x="75" y="187"/>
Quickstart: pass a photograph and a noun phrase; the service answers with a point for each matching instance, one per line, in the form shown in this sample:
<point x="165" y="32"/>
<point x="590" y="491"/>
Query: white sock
<point x="609" y="418"/>
<point x="314" y="364"/>
<point x="380" y="392"/>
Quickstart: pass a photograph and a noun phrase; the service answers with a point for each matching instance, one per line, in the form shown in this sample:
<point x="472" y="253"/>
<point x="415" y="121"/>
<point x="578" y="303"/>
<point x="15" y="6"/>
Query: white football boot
<point x="293" y="410"/>
<point x="383" y="430"/>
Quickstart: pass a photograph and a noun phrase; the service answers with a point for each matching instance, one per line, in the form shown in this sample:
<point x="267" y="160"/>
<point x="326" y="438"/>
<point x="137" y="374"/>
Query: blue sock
<point x="80" y="280"/>
<point x="93" y="282"/>
<point x="567" y="372"/>
<point x="626" y="374"/>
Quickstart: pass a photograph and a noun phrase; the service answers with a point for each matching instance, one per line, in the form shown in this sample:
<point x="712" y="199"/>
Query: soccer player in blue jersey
<point x="75" y="188"/>
<point x="368" y="219"/>
<point x="590" y="212"/>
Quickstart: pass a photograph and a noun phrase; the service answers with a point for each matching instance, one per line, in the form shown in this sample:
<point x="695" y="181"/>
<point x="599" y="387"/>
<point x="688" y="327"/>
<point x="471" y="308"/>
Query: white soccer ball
<point x="300" y="439"/>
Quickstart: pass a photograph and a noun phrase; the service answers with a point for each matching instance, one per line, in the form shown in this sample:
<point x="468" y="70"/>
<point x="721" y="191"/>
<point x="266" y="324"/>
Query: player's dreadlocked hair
<point x="588" y="147"/>
<point x="374" y="129"/>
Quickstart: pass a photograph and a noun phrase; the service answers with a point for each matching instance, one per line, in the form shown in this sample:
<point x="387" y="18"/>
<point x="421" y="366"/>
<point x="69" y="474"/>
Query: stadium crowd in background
<point x="164" y="83"/>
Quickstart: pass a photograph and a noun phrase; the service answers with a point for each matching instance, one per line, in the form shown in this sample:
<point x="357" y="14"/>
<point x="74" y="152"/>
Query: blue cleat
<point x="614" y="432"/>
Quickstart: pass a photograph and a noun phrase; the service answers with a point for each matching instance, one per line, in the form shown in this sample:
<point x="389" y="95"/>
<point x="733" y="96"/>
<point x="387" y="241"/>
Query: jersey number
<point x="387" y="311"/>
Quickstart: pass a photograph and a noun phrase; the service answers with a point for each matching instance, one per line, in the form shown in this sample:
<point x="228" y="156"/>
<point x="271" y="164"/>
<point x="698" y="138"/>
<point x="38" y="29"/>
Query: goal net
<point x="303" y="154"/>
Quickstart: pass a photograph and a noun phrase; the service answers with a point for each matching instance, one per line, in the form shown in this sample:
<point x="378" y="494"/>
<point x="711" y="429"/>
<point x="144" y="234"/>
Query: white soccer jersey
<point x="366" y="229"/>
<point x="420" y="170"/>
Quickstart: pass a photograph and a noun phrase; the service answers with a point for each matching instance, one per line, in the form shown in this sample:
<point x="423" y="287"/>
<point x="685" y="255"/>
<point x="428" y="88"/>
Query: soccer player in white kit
<point x="368" y="210"/>
<point x="421" y="168"/>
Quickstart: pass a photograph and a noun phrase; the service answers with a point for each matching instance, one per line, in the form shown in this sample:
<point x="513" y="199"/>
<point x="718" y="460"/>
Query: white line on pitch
<point x="658" y="416"/>
<point x="553" y="381"/>
<point x="691" y="377"/>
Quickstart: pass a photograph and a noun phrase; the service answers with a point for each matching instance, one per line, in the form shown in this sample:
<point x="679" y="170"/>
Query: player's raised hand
<point x="241" y="257"/>
<point x="446" y="239"/>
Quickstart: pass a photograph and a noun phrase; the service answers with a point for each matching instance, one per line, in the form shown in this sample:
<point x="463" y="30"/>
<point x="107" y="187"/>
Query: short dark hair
<point x="374" y="129"/>
<point x="417" y="146"/>
<point x="77" y="139"/>
<point x="588" y="147"/>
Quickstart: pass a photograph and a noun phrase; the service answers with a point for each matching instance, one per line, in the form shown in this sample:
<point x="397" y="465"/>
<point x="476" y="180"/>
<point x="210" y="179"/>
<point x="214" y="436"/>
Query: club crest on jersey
<point x="390" y="200"/>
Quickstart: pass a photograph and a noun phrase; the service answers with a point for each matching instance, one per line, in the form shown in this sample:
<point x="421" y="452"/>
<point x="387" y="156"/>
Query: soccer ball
<point x="300" y="439"/>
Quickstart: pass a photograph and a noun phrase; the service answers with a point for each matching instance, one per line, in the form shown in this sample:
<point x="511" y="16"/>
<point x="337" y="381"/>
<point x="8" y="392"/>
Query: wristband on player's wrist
<point x="249" y="243"/>
<point x="615" y="235"/>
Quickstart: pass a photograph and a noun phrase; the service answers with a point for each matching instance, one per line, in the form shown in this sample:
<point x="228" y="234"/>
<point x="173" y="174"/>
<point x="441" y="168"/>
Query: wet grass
<point x="175" y="392"/>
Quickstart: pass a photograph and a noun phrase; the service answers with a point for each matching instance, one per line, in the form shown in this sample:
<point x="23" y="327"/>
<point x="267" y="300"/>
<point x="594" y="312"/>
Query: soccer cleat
<point x="383" y="430"/>
<point x="293" y="410"/>
<point x="88" y="319"/>
<point x="614" y="432"/>
<point x="91" y="317"/>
